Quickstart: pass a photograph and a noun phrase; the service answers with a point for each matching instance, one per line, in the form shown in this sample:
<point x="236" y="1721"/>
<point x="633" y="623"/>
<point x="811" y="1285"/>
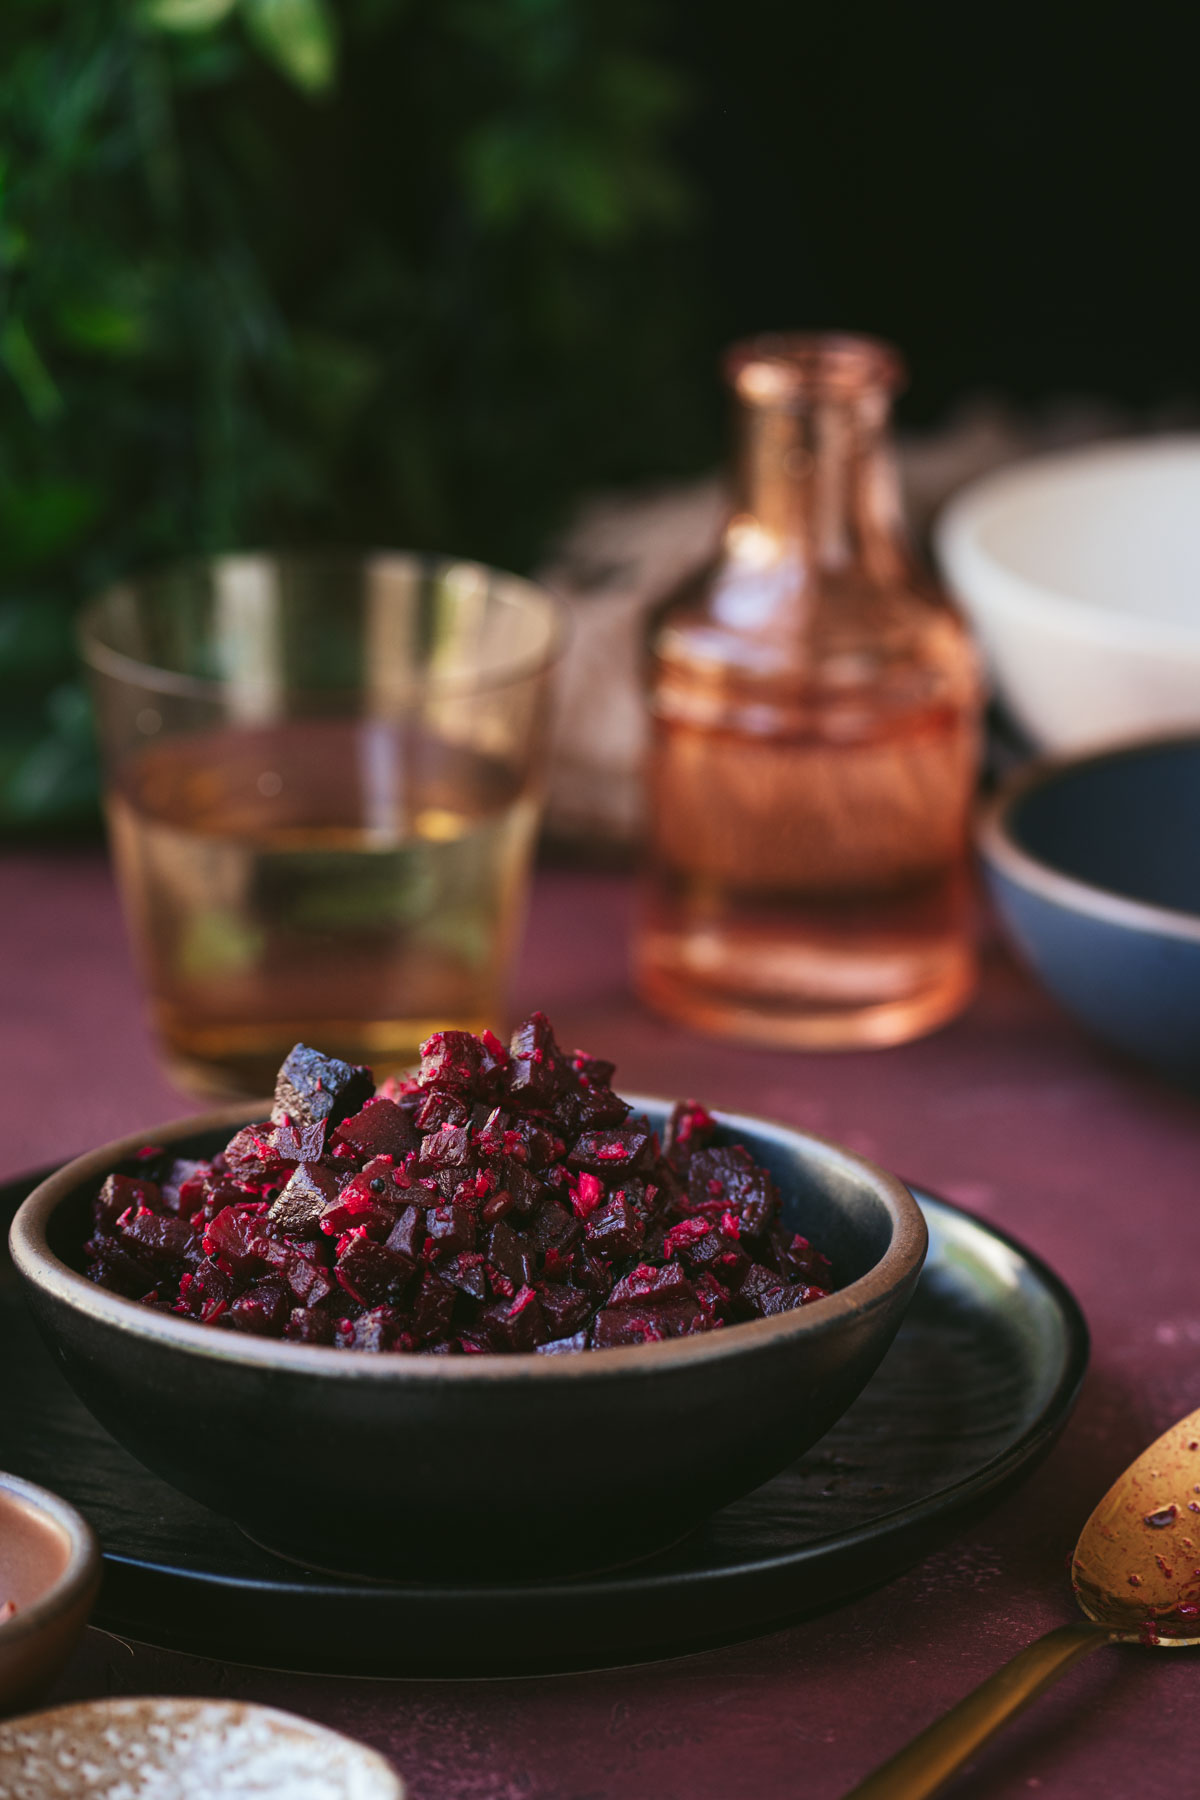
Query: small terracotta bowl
<point x="536" y="1465"/>
<point x="50" y="1572"/>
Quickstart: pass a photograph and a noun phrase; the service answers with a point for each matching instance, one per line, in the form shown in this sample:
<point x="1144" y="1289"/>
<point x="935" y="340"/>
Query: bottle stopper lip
<point x="790" y="367"/>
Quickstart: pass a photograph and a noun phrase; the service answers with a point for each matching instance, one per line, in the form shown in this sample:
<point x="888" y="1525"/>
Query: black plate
<point x="972" y="1393"/>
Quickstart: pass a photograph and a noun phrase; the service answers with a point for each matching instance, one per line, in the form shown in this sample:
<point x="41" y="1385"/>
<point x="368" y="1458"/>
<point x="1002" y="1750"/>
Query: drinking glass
<point x="323" y="786"/>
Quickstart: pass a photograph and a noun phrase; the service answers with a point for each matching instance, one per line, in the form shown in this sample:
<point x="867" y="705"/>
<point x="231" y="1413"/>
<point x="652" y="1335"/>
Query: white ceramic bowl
<point x="1081" y="576"/>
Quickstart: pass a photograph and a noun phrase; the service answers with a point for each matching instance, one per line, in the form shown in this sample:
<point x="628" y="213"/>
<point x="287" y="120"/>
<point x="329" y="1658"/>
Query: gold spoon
<point x="1136" y="1574"/>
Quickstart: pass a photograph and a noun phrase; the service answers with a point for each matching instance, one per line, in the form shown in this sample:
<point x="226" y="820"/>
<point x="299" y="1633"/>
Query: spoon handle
<point x="922" y="1766"/>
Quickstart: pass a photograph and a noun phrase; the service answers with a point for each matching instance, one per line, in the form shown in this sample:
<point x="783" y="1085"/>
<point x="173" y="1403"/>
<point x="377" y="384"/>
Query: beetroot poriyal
<point x="498" y="1201"/>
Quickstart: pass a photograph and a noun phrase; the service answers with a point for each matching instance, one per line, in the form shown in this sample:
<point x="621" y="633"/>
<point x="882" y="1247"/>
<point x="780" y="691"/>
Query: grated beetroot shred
<point x="500" y="1200"/>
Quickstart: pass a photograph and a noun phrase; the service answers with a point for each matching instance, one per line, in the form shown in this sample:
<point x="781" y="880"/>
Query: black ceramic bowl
<point x="488" y="1464"/>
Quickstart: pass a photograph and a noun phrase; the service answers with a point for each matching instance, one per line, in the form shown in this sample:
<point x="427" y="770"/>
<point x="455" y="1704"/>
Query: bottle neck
<point x="816" y="486"/>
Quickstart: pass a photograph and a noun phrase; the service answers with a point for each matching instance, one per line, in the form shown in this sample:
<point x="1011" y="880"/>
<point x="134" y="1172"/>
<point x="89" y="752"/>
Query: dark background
<point x="1010" y="193"/>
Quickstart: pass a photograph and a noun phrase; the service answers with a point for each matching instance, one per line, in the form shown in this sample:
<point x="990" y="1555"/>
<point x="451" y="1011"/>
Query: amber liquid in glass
<point x="337" y="882"/>
<point x="814" y="708"/>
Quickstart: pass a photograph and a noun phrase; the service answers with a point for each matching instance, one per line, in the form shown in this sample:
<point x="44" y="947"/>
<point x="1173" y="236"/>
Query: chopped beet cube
<point x="297" y="1212"/>
<point x="452" y="1229"/>
<point x="467" y="1274"/>
<point x="408" y="1234"/>
<point x="553" y="1228"/>
<point x="118" y="1194"/>
<point x="381" y="1329"/>
<point x="462" y="1064"/>
<point x="538" y="1071"/>
<point x="616" y="1151"/>
<point x="300" y="1143"/>
<point x="448" y="1146"/>
<point x="729" y="1180"/>
<point x="112" y="1266"/>
<point x="381" y="1128"/>
<point x="691" y="1127"/>
<point x="685" y="1235"/>
<point x="516" y="1324"/>
<point x="645" y="1283"/>
<point x="512" y="1254"/>
<point x="371" y="1273"/>
<point x="762" y="1293"/>
<point x="253" y="1161"/>
<point x="160" y="1239"/>
<point x="263" y="1310"/>
<point x="309" y="1325"/>
<point x="616" y="1229"/>
<point x="237" y="1239"/>
<point x="311" y="1088"/>
<point x="565" y="1308"/>
<point x="432" y="1309"/>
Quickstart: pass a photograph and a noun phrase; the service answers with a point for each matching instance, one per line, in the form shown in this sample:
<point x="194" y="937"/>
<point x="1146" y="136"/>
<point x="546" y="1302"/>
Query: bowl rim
<point x="38" y="1265"/>
<point x="961" y="555"/>
<point x="1002" y="850"/>
<point x="81" y="1572"/>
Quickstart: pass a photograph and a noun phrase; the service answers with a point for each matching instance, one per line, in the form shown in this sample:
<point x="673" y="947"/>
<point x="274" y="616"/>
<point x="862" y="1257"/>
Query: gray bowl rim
<point x="1002" y="850"/>
<point x="42" y="1269"/>
<point x="82" y="1569"/>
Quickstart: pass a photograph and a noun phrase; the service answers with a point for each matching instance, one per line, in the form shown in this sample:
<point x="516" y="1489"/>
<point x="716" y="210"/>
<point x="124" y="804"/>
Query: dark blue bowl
<point x="1094" y="864"/>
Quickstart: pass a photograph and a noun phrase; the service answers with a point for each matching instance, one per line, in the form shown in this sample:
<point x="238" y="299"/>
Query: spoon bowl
<point x="1136" y="1568"/>
<point x="1136" y="1576"/>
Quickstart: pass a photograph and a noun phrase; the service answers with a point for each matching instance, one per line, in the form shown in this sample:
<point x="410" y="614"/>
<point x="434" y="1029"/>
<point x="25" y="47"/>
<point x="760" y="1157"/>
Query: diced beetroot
<point x="297" y="1211"/>
<point x="110" y="1265"/>
<point x="452" y="1229"/>
<point x="371" y="1273"/>
<point x="462" y="1064"/>
<point x="432" y="1309"/>
<point x="381" y="1329"/>
<point x="494" y="1203"/>
<point x="447" y="1147"/>
<point x="553" y="1230"/>
<point x="382" y="1127"/>
<point x="517" y="1324"/>
<point x="408" y="1234"/>
<point x="690" y="1128"/>
<point x="263" y="1310"/>
<point x="685" y="1235"/>
<point x="619" y="1149"/>
<point x="615" y="1230"/>
<point x="512" y="1254"/>
<point x="297" y="1143"/>
<point x="252" y="1160"/>
<point x="728" y="1180"/>
<point x="309" y="1325"/>
<point x="565" y="1308"/>
<point x="236" y="1238"/>
<point x="311" y="1088"/>
<point x="645" y="1284"/>
<point x="368" y="1198"/>
<point x="121" y="1192"/>
<point x="163" y="1241"/>
<point x="467" y="1274"/>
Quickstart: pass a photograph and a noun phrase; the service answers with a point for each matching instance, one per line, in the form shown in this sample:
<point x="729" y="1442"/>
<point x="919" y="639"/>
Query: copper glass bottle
<point x="815" y="707"/>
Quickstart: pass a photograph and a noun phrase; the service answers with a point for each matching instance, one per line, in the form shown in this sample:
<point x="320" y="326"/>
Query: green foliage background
<point x="405" y="272"/>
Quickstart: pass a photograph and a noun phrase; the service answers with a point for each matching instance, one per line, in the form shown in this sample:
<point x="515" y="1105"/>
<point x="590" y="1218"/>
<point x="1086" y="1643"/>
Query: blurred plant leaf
<point x="298" y="36"/>
<point x="187" y="15"/>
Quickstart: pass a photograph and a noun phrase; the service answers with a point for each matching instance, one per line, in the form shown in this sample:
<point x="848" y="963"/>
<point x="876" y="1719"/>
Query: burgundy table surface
<point x="1012" y="1112"/>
